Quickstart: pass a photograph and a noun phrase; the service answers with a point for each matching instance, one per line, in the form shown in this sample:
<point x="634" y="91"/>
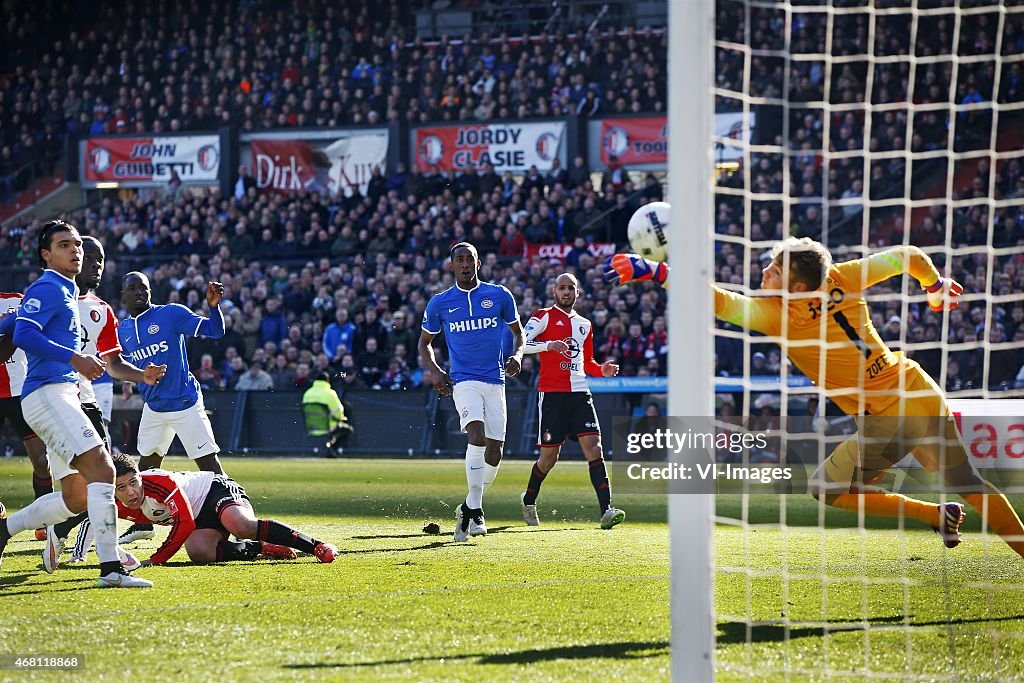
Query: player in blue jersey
<point x="472" y="315"/>
<point x="175" y="406"/>
<point x="48" y="330"/>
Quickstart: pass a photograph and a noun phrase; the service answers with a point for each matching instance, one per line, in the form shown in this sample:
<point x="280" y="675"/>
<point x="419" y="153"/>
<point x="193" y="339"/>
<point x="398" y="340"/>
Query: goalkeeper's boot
<point x="477" y="525"/>
<point x="122" y="580"/>
<point x="137" y="532"/>
<point x="272" y="551"/>
<point x="611" y="517"/>
<point x="325" y="552"/>
<point x="52" y="551"/>
<point x="529" y="511"/>
<point x="952" y="515"/>
<point x="461" y="523"/>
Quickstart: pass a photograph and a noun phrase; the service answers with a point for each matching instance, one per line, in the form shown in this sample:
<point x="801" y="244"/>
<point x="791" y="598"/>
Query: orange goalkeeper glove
<point x="622" y="269"/>
<point x="944" y="294"/>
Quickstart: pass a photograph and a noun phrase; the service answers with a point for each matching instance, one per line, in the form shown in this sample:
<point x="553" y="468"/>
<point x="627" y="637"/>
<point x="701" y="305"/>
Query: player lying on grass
<point x="565" y="341"/>
<point x="819" y="311"/>
<point x="202" y="509"/>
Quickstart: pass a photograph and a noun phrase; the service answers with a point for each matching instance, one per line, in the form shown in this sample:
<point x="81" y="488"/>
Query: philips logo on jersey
<point x="145" y="352"/>
<point x="472" y="325"/>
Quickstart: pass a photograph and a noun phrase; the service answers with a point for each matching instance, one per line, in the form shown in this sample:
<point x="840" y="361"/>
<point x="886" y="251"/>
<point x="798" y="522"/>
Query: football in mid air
<point x="648" y="231"/>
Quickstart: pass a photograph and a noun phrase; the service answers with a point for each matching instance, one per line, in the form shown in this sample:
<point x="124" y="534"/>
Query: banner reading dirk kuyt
<point x="299" y="166"/>
<point x="508" y="147"/>
<point x="195" y="158"/>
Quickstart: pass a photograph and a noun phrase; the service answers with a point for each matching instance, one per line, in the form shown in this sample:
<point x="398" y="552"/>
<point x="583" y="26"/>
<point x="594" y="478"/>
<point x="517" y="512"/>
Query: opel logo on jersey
<point x="486" y="303"/>
<point x="153" y="329"/>
<point x="574" y="348"/>
<point x="473" y="324"/>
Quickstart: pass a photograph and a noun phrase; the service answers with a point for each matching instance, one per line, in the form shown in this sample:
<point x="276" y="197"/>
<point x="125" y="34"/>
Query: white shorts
<point x="54" y="412"/>
<point x="192" y="425"/>
<point x="104" y="398"/>
<point x="481" y="402"/>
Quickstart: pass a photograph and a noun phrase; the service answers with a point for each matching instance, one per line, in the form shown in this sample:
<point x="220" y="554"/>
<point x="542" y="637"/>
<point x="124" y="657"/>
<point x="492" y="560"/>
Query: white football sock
<point x="490" y="472"/>
<point x="476" y="474"/>
<point x="44" y="511"/>
<point x="103" y="515"/>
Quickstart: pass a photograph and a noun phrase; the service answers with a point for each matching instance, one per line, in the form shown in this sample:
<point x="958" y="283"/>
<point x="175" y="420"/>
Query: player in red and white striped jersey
<point x="565" y="341"/>
<point x="202" y="508"/>
<point x="12" y="375"/>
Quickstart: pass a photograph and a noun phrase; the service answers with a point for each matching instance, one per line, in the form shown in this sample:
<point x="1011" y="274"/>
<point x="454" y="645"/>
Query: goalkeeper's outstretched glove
<point x="944" y="294"/>
<point x="622" y="269"/>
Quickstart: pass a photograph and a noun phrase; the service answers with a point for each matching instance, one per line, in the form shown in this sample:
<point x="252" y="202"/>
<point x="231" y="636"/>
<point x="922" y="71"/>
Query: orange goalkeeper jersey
<point x="828" y="333"/>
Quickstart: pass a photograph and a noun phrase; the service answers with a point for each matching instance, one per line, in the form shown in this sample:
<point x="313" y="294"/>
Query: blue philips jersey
<point x="158" y="336"/>
<point x="474" y="324"/>
<point x="51" y="303"/>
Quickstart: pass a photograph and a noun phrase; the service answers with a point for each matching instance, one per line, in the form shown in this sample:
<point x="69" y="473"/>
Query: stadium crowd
<point x="334" y="282"/>
<point x="340" y="284"/>
<point x="255" y="65"/>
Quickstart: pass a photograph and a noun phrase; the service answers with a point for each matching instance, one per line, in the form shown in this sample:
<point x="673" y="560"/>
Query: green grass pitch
<point x="563" y="602"/>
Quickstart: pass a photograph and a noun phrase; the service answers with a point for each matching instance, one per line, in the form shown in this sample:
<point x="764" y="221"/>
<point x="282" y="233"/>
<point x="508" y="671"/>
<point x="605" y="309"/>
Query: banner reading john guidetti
<point x="507" y="146"/>
<point x="804" y="455"/>
<point x="195" y="158"/>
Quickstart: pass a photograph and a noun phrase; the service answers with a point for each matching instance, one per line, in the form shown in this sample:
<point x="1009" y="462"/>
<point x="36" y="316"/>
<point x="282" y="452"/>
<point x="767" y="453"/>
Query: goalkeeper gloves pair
<point x="622" y="269"/>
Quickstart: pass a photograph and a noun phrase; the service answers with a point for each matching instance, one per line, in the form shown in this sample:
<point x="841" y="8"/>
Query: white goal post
<point x="691" y="31"/>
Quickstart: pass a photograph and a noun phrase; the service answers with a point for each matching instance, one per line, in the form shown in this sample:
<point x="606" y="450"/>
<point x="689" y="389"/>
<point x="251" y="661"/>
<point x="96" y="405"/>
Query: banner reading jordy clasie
<point x="508" y="147"/>
<point x="195" y="158"/>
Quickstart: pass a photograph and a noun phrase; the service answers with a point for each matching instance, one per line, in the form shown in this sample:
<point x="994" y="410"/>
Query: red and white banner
<point x="298" y="166"/>
<point x="635" y="141"/>
<point x="644" y="140"/>
<point x="508" y="147"/>
<point x="599" y="250"/>
<point x="195" y="158"/>
<point x="992" y="431"/>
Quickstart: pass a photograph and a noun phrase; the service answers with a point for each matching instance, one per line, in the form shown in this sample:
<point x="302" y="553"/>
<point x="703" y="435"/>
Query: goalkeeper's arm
<point x="623" y="269"/>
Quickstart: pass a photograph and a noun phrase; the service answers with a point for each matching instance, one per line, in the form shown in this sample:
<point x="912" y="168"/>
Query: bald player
<point x="565" y="341"/>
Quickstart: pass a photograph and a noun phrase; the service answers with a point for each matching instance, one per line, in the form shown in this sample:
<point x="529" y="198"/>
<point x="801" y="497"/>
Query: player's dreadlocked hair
<point x="809" y="261"/>
<point x="123" y="464"/>
<point x="46" y="237"/>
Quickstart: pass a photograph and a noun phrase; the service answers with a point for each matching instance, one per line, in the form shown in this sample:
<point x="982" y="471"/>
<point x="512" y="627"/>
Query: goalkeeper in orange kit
<point x="818" y="312"/>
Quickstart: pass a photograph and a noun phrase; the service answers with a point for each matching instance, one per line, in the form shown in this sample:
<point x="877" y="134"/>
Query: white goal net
<point x="866" y="124"/>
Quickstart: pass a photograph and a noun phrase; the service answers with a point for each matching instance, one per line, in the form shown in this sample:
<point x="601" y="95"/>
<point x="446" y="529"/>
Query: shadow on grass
<point x="624" y="650"/>
<point x="371" y="551"/>
<point x="490" y="530"/>
<point x="733" y="632"/>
